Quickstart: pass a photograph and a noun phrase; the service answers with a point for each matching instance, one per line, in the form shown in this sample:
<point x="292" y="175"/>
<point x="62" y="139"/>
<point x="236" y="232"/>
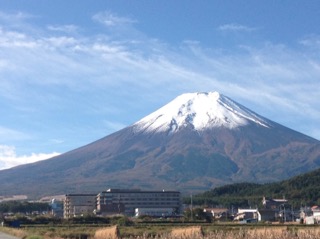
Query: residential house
<point x="310" y="215"/>
<point x="273" y="204"/>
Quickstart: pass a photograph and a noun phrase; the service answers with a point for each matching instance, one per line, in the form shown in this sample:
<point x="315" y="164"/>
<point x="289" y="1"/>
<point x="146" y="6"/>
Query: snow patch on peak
<point x="198" y="111"/>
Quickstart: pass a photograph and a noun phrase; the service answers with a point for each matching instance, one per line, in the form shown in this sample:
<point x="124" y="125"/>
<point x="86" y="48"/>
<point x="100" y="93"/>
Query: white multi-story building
<point x="78" y="205"/>
<point x="125" y="201"/>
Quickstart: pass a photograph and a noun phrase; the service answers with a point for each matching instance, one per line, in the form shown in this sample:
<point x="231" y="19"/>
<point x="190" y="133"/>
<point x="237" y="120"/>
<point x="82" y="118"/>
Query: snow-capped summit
<point x="200" y="111"/>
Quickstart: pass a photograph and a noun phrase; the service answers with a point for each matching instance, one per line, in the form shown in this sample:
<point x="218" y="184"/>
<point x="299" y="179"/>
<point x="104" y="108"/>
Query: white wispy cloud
<point x="9" y="159"/>
<point x="99" y="61"/>
<point x="236" y="28"/>
<point x="111" y="19"/>
<point x="63" y="28"/>
<point x="12" y="134"/>
<point x="57" y="141"/>
<point x="114" y="125"/>
<point x="15" y="17"/>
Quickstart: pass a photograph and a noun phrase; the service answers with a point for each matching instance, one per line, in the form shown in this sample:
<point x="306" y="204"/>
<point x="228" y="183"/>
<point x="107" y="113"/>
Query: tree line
<point x="23" y="207"/>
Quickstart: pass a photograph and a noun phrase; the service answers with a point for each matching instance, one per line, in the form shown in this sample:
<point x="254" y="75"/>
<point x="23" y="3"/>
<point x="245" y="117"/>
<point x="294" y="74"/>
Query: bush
<point x="124" y="221"/>
<point x="34" y="237"/>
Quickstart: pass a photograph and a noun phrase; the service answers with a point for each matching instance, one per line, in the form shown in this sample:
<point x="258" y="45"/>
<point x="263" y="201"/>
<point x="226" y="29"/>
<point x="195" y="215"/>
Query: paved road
<point x="6" y="236"/>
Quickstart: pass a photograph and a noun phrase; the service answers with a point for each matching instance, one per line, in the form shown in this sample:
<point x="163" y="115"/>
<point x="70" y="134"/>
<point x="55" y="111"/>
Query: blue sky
<point x="74" y="71"/>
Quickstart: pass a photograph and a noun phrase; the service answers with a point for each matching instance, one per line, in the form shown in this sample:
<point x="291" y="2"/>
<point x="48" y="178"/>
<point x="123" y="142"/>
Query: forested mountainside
<point x="300" y="190"/>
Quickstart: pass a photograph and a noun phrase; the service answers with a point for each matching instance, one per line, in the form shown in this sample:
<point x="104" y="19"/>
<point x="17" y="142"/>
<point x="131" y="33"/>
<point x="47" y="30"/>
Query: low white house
<point x="310" y="215"/>
<point x="245" y="214"/>
<point x="216" y="212"/>
<point x="154" y="212"/>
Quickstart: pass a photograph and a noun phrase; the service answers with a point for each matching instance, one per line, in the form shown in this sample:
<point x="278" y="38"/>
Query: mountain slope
<point x="196" y="142"/>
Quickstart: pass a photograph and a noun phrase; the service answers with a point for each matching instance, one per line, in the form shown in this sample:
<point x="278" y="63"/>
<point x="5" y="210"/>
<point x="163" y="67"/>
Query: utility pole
<point x="284" y="213"/>
<point x="191" y="208"/>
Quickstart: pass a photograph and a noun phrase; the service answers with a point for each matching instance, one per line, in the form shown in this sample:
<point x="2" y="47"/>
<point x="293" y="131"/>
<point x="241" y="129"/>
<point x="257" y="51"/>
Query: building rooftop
<point x="117" y="190"/>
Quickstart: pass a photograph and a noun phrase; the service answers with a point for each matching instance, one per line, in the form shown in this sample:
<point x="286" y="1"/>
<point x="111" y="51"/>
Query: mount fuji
<point x="196" y="142"/>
